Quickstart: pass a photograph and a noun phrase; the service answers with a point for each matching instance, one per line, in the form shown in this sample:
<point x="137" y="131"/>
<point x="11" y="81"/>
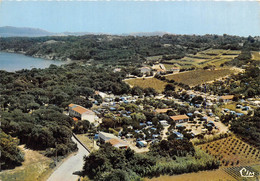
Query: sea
<point x="12" y="62"/>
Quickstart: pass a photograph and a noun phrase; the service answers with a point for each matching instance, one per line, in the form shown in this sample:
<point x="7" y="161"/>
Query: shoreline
<point x="10" y="56"/>
<point x="45" y="57"/>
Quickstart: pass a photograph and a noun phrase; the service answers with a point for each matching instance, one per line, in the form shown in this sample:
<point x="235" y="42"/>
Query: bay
<point x="12" y="62"/>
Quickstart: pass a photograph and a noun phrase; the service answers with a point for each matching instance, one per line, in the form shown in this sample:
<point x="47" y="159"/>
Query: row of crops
<point x="231" y="151"/>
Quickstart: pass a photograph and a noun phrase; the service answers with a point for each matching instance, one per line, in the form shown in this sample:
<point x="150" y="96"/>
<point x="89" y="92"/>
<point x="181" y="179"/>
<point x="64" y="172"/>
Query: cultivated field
<point x="214" y="57"/>
<point x="35" y="167"/>
<point x="196" y="77"/>
<point x="158" y="85"/>
<point x="231" y="151"/>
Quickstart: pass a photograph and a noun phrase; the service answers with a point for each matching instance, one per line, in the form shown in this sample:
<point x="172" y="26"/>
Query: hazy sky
<point x="116" y="17"/>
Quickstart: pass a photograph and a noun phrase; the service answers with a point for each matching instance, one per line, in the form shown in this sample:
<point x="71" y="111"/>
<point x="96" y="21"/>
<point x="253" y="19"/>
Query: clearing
<point x="158" y="85"/>
<point x="214" y="57"/>
<point x="256" y="56"/>
<point x="200" y="76"/>
<point x="214" y="175"/>
<point x="87" y="141"/>
<point x="35" y="167"/>
<point x="231" y="151"/>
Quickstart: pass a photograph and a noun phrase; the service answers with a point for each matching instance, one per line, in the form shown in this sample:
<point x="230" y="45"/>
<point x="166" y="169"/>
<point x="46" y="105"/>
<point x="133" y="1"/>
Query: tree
<point x="138" y="91"/>
<point x="11" y="155"/>
<point x="117" y="175"/>
<point x="169" y="87"/>
<point x="150" y="91"/>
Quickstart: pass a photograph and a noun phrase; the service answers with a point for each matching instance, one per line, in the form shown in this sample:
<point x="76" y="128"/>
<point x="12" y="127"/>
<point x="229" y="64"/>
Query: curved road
<point x="73" y="164"/>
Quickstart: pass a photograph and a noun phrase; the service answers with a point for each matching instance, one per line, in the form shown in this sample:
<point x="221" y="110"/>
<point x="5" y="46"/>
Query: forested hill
<point x="9" y="31"/>
<point x="123" y="50"/>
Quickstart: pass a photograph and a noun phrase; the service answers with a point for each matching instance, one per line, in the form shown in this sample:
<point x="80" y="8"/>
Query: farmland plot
<point x="231" y="151"/>
<point x="214" y="57"/>
<point x="158" y="85"/>
<point x="197" y="77"/>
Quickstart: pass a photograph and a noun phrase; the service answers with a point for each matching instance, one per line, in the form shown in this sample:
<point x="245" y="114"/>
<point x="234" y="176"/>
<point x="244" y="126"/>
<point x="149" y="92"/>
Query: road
<point x="73" y="164"/>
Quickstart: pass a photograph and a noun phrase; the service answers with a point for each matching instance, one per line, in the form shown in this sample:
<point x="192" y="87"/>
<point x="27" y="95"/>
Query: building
<point x="159" y="68"/>
<point x="164" y="123"/>
<point x="141" y="144"/>
<point x="102" y="94"/>
<point x="227" y="98"/>
<point x="163" y="111"/>
<point x="145" y="70"/>
<point x="180" y="118"/>
<point x="112" y="139"/>
<point x="178" y="134"/>
<point x="104" y="137"/>
<point x="160" y="71"/>
<point x="118" y="143"/>
<point x="175" y="69"/>
<point x="117" y="70"/>
<point x="81" y="113"/>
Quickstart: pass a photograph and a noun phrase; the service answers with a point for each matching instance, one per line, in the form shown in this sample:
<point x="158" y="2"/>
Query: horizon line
<point x="129" y="1"/>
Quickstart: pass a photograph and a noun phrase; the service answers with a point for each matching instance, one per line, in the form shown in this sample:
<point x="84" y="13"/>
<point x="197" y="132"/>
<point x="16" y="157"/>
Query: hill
<point x="125" y="50"/>
<point x="9" y="31"/>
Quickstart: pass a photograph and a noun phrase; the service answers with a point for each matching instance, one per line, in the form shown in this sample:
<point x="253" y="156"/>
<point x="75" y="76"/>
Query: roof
<point x="116" y="142"/>
<point x="175" y="68"/>
<point x="160" y="70"/>
<point x="80" y="109"/>
<point x="227" y="97"/>
<point x="161" y="110"/>
<point x="72" y="105"/>
<point x="163" y="121"/>
<point x="75" y="119"/>
<point x="189" y="114"/>
<point x="178" y="134"/>
<point x="113" y="141"/>
<point x="158" y="67"/>
<point x="179" y="117"/>
<point x="106" y="136"/>
<point x="145" y="68"/>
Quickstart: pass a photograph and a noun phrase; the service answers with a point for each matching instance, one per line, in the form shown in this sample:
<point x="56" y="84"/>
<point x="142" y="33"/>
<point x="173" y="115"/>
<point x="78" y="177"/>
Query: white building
<point x="145" y="70"/>
<point x="82" y="113"/>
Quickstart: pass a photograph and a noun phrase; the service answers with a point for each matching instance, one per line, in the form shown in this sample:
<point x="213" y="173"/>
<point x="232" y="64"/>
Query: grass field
<point x="256" y="56"/>
<point x="196" y="77"/>
<point x="232" y="106"/>
<point x="215" y="175"/>
<point x="214" y="57"/>
<point x="86" y="141"/>
<point x="154" y="58"/>
<point x="231" y="151"/>
<point x="34" y="168"/>
<point x="158" y="85"/>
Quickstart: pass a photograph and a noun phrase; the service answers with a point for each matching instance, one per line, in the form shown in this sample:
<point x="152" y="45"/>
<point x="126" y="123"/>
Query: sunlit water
<point x="13" y="62"/>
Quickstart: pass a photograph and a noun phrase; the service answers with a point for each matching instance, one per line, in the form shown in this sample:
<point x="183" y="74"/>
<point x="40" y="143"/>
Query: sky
<point x="117" y="17"/>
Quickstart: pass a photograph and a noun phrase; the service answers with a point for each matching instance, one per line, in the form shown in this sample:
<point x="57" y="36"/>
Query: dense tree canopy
<point x="248" y="127"/>
<point x="123" y="50"/>
<point x="33" y="101"/>
<point x="11" y="155"/>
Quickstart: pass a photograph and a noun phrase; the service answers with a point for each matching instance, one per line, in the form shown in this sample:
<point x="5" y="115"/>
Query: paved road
<point x="72" y="164"/>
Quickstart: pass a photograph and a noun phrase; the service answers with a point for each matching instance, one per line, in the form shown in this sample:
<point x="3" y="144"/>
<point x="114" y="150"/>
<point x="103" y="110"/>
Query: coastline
<point x="12" y="61"/>
<point x="46" y="57"/>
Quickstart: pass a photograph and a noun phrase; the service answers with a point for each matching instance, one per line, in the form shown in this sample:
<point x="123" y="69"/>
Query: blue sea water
<point x="12" y="62"/>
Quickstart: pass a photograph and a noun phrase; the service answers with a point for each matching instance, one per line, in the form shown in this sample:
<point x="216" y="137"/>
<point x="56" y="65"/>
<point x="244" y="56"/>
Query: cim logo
<point x="246" y="173"/>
